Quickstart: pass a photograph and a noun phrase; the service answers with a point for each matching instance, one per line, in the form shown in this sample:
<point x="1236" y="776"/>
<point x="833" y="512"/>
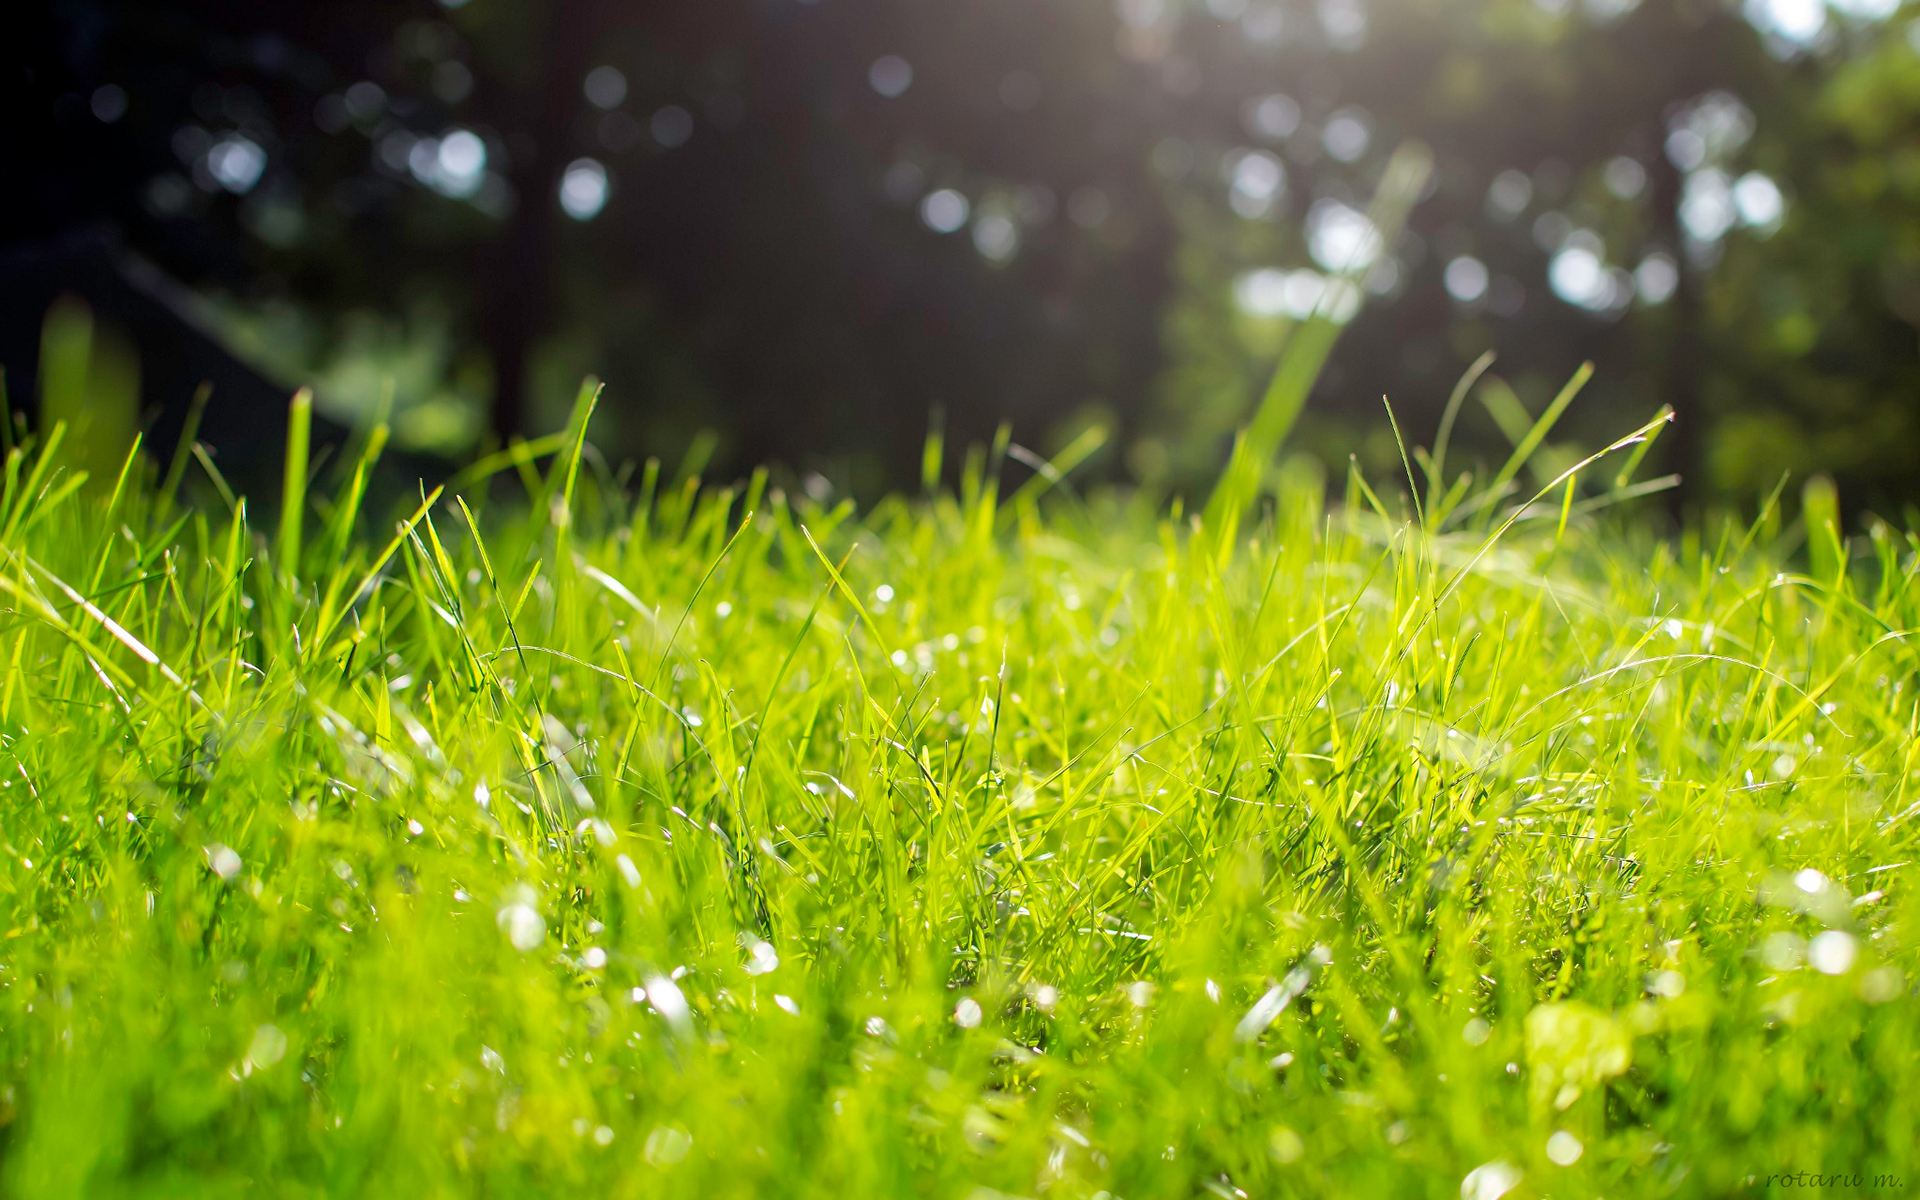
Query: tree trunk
<point x="1684" y="349"/>
<point x="520" y="295"/>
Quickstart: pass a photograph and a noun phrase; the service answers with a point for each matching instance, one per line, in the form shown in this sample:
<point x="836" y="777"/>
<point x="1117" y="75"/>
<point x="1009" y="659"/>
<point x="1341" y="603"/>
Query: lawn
<point x="574" y="832"/>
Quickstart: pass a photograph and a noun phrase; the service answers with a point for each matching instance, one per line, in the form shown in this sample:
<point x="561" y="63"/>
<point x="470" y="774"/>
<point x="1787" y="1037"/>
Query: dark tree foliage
<point x="813" y="225"/>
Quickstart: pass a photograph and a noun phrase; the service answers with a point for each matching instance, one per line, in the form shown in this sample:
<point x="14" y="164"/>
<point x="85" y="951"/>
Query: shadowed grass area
<point x="663" y="839"/>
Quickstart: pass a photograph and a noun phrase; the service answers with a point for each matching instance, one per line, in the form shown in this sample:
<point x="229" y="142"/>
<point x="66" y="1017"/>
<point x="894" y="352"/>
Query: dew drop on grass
<point x="967" y="1014"/>
<point x="1667" y="983"/>
<point x="1285" y="1145"/>
<point x="1476" y="1032"/>
<point x="762" y="959"/>
<point x="594" y="958"/>
<point x="1781" y="951"/>
<point x="1564" y="1149"/>
<point x="1880" y="985"/>
<point x="667" y="1145"/>
<point x="268" y="1046"/>
<point x="523" y="925"/>
<point x="669" y="1001"/>
<point x="1490" y="1181"/>
<point x="786" y="1004"/>
<point x="628" y="872"/>
<point x="1832" y="952"/>
<point x="222" y="860"/>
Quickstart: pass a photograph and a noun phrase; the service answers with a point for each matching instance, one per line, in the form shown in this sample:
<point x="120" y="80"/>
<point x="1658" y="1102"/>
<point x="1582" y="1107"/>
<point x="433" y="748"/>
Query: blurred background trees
<point x="811" y="225"/>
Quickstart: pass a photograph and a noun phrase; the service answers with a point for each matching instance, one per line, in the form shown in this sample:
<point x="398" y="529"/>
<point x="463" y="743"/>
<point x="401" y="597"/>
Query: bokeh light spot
<point x="996" y="237"/>
<point x="1758" y="200"/>
<point x="462" y="160"/>
<point x="605" y="87"/>
<point x="1798" y="22"/>
<point x="109" y="103"/>
<point x="1509" y="194"/>
<point x="1341" y="237"/>
<point x="1347" y="135"/>
<point x="890" y="75"/>
<point x="1655" y="278"/>
<point x="1624" y="177"/>
<point x="1466" y="279"/>
<point x="236" y="163"/>
<point x="671" y="126"/>
<point x="944" y="211"/>
<point x="1257" y="180"/>
<point x="1706" y="205"/>
<point x="1578" y="275"/>
<point x="1273" y="117"/>
<point x="583" y="189"/>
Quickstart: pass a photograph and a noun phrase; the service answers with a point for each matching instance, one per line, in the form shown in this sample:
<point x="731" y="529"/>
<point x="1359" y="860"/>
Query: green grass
<point x="632" y="837"/>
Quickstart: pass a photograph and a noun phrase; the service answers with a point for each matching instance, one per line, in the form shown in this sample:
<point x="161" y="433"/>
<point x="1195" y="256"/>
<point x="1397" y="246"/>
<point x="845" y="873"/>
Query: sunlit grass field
<point x="570" y="832"/>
